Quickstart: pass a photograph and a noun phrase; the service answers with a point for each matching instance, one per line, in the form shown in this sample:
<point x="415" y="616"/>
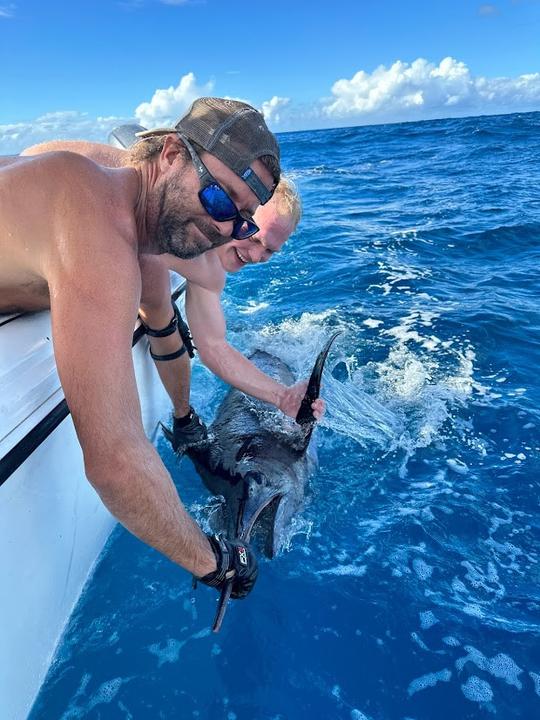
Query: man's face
<point x="274" y="230"/>
<point x="184" y="228"/>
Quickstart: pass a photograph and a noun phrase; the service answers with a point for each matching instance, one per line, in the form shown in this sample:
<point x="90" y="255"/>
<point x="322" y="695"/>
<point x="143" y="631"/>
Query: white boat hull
<point x="53" y="525"/>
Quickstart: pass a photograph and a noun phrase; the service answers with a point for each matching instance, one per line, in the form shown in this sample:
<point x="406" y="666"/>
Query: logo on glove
<point x="242" y="555"/>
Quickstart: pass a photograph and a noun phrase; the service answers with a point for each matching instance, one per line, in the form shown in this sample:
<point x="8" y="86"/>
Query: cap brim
<point x="157" y="131"/>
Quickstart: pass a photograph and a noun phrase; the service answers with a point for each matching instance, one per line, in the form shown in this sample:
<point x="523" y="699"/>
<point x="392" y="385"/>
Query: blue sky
<point x="75" y="69"/>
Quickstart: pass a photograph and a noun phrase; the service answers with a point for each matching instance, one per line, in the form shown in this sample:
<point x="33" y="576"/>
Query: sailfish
<point x="259" y="461"/>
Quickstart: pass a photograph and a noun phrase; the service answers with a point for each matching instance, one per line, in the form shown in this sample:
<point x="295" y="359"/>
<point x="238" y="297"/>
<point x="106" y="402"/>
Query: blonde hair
<point x="287" y="200"/>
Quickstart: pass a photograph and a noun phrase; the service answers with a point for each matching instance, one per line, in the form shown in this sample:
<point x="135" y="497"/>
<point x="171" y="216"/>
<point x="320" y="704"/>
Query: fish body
<point x="259" y="460"/>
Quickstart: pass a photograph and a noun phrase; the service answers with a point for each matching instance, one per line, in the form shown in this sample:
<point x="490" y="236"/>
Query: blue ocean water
<point x="410" y="586"/>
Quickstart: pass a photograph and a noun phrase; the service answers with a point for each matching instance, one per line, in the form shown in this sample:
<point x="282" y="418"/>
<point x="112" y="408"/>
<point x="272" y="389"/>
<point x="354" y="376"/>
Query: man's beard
<point x="173" y="234"/>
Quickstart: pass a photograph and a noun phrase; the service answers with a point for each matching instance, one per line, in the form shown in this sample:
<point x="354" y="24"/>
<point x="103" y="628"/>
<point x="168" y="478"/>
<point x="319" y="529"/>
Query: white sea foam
<point x="477" y="690"/>
<point x="486" y="580"/>
<point x="401" y="401"/>
<point x="405" y="334"/>
<point x="422" y="569"/>
<point x="415" y="637"/>
<point x="372" y="323"/>
<point x="306" y="172"/>
<point x="106" y="692"/>
<point x="252" y="307"/>
<point x="451" y="641"/>
<point x="473" y="610"/>
<point x="535" y="677"/>
<point x="297" y="342"/>
<point x="420" y="388"/>
<point x="429" y="680"/>
<point x="358" y="715"/>
<point x="171" y="652"/>
<point x="352" y="570"/>
<point x="299" y="527"/>
<point x="401" y="272"/>
<point x="168" y="654"/>
<point x="500" y="666"/>
<point x="427" y="620"/>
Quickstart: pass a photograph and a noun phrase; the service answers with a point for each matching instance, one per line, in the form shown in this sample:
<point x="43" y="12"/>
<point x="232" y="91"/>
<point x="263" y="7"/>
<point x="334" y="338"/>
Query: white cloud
<point x="271" y="109"/>
<point x="423" y="90"/>
<point x="68" y="125"/>
<point x="7" y="11"/>
<point x="167" y="105"/>
<point x="404" y="91"/>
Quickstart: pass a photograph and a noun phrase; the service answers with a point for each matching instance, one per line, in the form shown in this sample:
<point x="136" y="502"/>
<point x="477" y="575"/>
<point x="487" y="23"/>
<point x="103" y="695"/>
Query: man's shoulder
<point x="59" y="164"/>
<point x="81" y="181"/>
<point x="87" y="199"/>
<point x="98" y="152"/>
<point x="70" y="180"/>
<point x="49" y="163"/>
<point x="72" y="161"/>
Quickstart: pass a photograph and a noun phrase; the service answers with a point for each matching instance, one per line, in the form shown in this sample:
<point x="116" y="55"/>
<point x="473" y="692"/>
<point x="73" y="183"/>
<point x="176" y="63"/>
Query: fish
<point x="259" y="460"/>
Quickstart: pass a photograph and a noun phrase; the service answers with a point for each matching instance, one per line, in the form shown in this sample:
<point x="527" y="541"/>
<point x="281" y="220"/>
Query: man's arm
<point x="94" y="289"/>
<point x="208" y="326"/>
<point x="156" y="312"/>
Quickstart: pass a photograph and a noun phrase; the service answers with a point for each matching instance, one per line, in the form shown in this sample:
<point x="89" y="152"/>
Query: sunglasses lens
<point x="217" y="203"/>
<point x="243" y="229"/>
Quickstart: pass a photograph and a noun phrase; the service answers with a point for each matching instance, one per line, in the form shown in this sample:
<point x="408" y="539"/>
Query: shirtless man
<point x="70" y="235"/>
<point x="206" y="275"/>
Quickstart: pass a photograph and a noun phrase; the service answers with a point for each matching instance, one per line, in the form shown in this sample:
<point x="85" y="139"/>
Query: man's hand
<point x="292" y="397"/>
<point x="235" y="560"/>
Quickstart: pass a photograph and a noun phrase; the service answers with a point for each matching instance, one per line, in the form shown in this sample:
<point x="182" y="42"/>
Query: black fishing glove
<point x="235" y="560"/>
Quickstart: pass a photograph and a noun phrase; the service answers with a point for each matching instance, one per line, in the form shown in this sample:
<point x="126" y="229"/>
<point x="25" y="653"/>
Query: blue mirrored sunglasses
<point x="217" y="202"/>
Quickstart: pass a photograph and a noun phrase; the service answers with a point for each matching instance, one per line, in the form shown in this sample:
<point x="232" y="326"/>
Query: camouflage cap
<point x="233" y="131"/>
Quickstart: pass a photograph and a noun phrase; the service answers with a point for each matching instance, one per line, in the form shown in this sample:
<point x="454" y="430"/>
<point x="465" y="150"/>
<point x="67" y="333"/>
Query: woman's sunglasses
<point x="217" y="202"/>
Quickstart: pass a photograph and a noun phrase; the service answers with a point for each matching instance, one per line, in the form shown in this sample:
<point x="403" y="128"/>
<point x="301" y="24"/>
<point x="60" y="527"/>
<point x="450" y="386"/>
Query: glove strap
<point x="221" y="553"/>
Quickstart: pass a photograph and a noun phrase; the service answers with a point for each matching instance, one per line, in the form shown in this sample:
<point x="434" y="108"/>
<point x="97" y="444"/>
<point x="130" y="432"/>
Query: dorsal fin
<point x="305" y="416"/>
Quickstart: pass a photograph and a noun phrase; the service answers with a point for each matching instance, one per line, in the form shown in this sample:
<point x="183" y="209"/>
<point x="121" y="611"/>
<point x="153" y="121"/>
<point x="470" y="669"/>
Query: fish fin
<point x="249" y="447"/>
<point x="222" y="606"/>
<point x="305" y="416"/>
<point x="167" y="432"/>
<point x="206" y="465"/>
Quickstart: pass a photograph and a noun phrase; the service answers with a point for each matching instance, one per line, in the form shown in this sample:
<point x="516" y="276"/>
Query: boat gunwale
<point x="22" y="450"/>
